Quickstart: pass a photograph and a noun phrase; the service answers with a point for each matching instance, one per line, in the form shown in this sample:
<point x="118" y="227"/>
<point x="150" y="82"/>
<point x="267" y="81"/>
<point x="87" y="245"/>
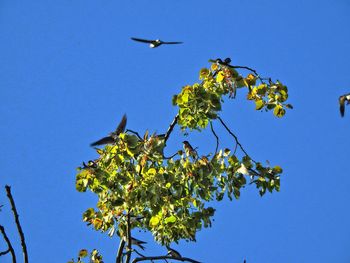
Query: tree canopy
<point x="138" y="187"/>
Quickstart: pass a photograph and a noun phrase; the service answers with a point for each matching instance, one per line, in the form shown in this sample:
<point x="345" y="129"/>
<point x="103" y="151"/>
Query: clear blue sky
<point x="69" y="71"/>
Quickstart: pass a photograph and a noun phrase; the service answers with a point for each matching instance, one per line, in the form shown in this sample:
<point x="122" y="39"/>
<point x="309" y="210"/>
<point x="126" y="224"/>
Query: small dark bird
<point x="189" y="149"/>
<point x="342" y="100"/>
<point x="113" y="136"/>
<point x="154" y="43"/>
<point x="219" y="61"/>
<point x="89" y="165"/>
<point x="173" y="252"/>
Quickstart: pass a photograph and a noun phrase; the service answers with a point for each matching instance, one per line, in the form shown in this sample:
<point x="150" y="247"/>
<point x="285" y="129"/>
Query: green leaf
<point x="170" y="219"/>
<point x="277" y="169"/>
<point x="279" y="111"/>
<point x="83" y="253"/>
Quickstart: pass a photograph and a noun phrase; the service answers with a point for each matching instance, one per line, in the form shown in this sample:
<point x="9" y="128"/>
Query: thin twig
<point x="235" y="137"/>
<point x="134" y="132"/>
<point x="20" y="231"/>
<point x="172" y="156"/>
<point x="252" y="70"/>
<point x="164" y="258"/>
<point x="120" y="251"/>
<point x="138" y="253"/>
<point x="9" y="245"/>
<point x="217" y="138"/>
<point x="171" y="127"/>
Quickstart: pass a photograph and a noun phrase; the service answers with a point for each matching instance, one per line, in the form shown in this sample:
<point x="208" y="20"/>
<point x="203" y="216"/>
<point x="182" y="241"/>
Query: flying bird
<point x="113" y="136"/>
<point x="154" y="43"/>
<point x="342" y="100"/>
<point x="173" y="253"/>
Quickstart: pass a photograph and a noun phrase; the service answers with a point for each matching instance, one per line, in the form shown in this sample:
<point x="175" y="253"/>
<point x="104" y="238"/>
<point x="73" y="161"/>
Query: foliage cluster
<point x="138" y="187"/>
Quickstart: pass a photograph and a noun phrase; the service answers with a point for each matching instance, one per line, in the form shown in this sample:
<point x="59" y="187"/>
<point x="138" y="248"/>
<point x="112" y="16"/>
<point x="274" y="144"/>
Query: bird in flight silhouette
<point x="342" y="100"/>
<point x="154" y="43"/>
<point x="113" y="136"/>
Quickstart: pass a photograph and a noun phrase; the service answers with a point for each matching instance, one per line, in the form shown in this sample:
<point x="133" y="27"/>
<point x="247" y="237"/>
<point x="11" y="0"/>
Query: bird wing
<point x="342" y="105"/>
<point x="121" y="125"/>
<point x="105" y="140"/>
<point x="142" y="40"/>
<point x="163" y="42"/>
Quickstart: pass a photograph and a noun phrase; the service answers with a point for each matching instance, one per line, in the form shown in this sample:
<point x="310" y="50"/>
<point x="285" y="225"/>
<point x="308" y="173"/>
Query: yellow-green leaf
<point x="154" y="220"/>
<point x="220" y="77"/>
<point x="83" y="253"/>
<point x="259" y="104"/>
<point x="279" y="111"/>
<point x="170" y="219"/>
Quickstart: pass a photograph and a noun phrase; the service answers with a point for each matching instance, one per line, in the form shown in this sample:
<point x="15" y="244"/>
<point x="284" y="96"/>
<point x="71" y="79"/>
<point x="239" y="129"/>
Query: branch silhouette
<point x="9" y="245"/>
<point x="19" y="228"/>
<point x="165" y="258"/>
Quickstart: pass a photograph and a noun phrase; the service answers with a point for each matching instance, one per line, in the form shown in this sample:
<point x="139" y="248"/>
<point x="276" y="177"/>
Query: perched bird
<point x="189" y="149"/>
<point x="219" y="61"/>
<point x="91" y="165"/>
<point x="154" y="43"/>
<point x="113" y="136"/>
<point x="342" y="100"/>
<point x="173" y="252"/>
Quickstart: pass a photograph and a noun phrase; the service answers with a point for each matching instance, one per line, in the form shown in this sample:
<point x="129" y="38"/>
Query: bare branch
<point x="217" y="138"/>
<point x="172" y="156"/>
<point x="120" y="251"/>
<point x="252" y="70"/>
<point x="128" y="236"/>
<point x="235" y="137"/>
<point x="9" y="245"/>
<point x="134" y="132"/>
<point x="20" y="231"/>
<point x="164" y="258"/>
<point x="138" y="253"/>
<point x="171" y="127"/>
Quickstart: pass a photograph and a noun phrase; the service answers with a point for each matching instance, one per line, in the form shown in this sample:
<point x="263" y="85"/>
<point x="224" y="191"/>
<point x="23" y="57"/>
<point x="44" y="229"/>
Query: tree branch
<point x="217" y="138"/>
<point x="134" y="132"/>
<point x="128" y="235"/>
<point x="171" y="127"/>
<point x="120" y="251"/>
<point x="235" y="137"/>
<point x="20" y="231"/>
<point x="252" y="70"/>
<point x="9" y="245"/>
<point x="164" y="258"/>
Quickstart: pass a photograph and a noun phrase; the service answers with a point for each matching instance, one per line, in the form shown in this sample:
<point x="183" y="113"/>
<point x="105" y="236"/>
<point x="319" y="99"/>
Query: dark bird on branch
<point x="225" y="62"/>
<point x="154" y="43"/>
<point x="113" y="136"/>
<point x="342" y="100"/>
<point x="89" y="165"/>
<point x="173" y="253"/>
